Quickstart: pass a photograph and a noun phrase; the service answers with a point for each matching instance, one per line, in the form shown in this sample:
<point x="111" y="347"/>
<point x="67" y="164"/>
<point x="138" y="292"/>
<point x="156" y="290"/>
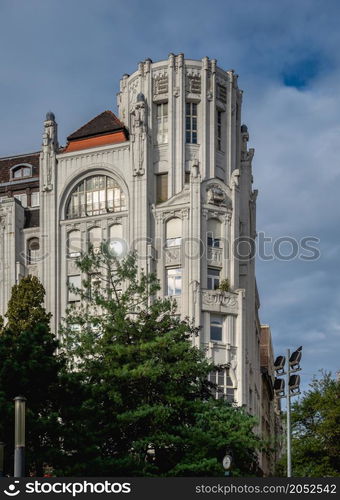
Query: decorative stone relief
<point x="160" y="85"/>
<point x="217" y="298"/>
<point x="172" y="256"/>
<point x="193" y="84"/>
<point x="217" y="196"/>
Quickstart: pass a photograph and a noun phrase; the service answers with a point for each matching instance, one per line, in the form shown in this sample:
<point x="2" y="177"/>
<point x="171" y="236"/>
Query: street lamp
<point x="19" y="436"/>
<point x="293" y="389"/>
<point x="2" y="449"/>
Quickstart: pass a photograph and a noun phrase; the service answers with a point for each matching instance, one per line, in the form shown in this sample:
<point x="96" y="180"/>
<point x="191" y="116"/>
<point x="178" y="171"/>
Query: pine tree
<point x="149" y="407"/>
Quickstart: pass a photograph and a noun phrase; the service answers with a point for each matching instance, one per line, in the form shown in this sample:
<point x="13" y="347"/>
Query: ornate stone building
<point x="171" y="177"/>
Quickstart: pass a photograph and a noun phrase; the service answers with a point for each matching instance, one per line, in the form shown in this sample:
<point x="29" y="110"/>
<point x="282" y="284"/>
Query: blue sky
<point x="68" y="57"/>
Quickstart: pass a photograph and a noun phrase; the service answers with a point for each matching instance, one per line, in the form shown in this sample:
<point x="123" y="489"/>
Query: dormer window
<point x="21" y="171"/>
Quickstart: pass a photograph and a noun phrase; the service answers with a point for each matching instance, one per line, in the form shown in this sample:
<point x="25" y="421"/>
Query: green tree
<point x="316" y="430"/>
<point x="25" y="307"/>
<point x="148" y="408"/>
<point x="29" y="367"/>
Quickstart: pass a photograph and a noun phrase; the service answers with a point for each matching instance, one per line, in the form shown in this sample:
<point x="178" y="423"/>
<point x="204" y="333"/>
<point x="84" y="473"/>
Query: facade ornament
<point x="139" y="130"/>
<point x="215" y="297"/>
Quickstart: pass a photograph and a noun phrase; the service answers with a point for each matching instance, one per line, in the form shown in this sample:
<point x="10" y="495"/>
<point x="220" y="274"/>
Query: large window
<point x="94" y="196"/>
<point x="162" y="123"/>
<point x="225" y="387"/>
<point x="216" y="327"/>
<point x="33" y="249"/>
<point x="174" y="232"/>
<point x="213" y="278"/>
<point x="191" y="123"/>
<point x="174" y="281"/>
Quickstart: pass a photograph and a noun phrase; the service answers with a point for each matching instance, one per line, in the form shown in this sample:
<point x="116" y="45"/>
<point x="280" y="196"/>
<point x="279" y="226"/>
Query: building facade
<point x="172" y="177"/>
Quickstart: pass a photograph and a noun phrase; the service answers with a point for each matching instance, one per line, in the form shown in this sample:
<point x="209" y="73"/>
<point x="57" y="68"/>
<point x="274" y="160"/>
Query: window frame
<point x="21" y="167"/>
<point x="32" y="259"/>
<point x="213" y="325"/>
<point x="213" y="280"/>
<point x="191" y="122"/>
<point x="177" y="276"/>
<point x="226" y="389"/>
<point x="95" y="195"/>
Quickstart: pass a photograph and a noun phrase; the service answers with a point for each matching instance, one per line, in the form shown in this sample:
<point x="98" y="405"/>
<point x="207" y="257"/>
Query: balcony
<point x="220" y="302"/>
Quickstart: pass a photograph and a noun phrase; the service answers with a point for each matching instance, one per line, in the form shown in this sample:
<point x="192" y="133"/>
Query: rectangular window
<point x="22" y="198"/>
<point x="219" y="130"/>
<point x="191" y="123"/>
<point x="225" y="389"/>
<point x="35" y="199"/>
<point x="213" y="278"/>
<point x="73" y="283"/>
<point x="174" y="281"/>
<point x="216" y="327"/>
<point x="186" y="177"/>
<point x="162" y="123"/>
<point x="161" y="187"/>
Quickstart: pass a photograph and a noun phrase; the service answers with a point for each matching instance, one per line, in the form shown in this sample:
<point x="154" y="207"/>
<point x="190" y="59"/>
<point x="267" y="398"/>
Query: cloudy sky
<point x="68" y="57"/>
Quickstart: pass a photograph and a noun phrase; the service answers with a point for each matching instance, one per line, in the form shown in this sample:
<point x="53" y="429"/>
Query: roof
<point x="104" y="123"/>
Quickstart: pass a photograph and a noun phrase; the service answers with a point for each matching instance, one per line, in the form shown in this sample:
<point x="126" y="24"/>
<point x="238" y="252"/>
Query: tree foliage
<point x="147" y="407"/>
<point x="316" y="430"/>
<point x="29" y="367"/>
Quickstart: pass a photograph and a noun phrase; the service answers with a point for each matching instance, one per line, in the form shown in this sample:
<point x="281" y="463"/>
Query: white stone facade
<point x="186" y="176"/>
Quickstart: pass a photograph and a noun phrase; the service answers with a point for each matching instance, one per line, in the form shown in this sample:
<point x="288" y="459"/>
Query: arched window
<point x="20" y="171"/>
<point x="33" y="248"/>
<point x="214" y="233"/>
<point x="74" y="243"/>
<point x="95" y="195"/>
<point x="173" y="232"/>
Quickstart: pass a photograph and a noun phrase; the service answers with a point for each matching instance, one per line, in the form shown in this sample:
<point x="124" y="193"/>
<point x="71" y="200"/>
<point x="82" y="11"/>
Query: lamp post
<point x="2" y="446"/>
<point x="293" y="389"/>
<point x="19" y="436"/>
